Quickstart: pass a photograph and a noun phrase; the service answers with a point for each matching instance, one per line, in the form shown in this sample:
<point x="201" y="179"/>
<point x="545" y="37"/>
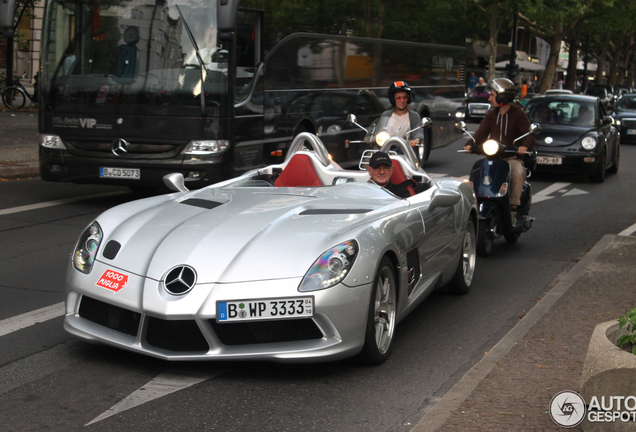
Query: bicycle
<point x="15" y="97"/>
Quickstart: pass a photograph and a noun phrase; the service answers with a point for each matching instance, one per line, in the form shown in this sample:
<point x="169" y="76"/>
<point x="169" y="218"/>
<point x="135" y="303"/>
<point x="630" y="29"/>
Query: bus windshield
<point x="116" y="56"/>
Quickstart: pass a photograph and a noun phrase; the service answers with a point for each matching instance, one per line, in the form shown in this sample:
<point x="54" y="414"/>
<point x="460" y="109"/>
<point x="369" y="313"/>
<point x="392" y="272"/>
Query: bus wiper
<point x="201" y="63"/>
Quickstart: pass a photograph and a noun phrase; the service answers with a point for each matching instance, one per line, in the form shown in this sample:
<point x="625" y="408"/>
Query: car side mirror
<point x="443" y="198"/>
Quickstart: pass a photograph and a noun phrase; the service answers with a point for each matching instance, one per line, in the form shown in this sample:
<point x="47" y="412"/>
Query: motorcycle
<point x="491" y="179"/>
<point x="378" y="134"/>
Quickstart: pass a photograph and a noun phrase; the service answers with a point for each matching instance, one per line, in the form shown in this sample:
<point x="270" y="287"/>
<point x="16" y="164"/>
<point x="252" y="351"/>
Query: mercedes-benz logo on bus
<point x="119" y="147"/>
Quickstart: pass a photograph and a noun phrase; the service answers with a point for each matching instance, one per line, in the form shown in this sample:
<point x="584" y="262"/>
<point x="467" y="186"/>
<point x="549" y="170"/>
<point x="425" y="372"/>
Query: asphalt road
<point x="50" y="381"/>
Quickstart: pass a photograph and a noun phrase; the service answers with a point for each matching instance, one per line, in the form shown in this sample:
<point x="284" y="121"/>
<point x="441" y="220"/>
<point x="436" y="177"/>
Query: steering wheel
<point x="316" y="144"/>
<point x="407" y="151"/>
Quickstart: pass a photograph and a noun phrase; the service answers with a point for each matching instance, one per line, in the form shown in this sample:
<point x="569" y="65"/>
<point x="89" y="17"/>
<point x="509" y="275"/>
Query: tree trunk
<point x="492" y="41"/>
<point x="573" y="60"/>
<point x="551" y="68"/>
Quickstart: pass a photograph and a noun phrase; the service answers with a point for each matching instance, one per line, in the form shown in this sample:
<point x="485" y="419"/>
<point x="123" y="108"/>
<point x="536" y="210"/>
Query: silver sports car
<point x="301" y="261"/>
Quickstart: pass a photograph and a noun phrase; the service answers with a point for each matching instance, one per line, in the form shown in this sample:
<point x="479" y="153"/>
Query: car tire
<point x="463" y="278"/>
<point x="381" y="317"/>
<point x="598" y="176"/>
<point x="617" y="160"/>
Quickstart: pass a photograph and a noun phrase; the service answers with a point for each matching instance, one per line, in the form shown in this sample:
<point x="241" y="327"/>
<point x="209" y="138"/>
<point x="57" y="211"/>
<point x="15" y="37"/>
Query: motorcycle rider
<point x="401" y="118"/>
<point x="505" y="123"/>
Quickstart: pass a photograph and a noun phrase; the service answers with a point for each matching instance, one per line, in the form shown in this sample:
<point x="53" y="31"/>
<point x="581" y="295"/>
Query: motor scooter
<point x="491" y="182"/>
<point x="378" y="134"/>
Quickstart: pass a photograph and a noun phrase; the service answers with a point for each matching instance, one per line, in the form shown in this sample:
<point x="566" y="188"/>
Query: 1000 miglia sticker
<point x="112" y="280"/>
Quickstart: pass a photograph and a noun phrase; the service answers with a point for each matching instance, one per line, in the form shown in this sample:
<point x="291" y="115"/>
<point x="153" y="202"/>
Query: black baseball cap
<point x="380" y="158"/>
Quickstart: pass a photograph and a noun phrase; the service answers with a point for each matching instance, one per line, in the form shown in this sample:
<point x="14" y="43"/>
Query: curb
<point x="20" y="170"/>
<point x="439" y="413"/>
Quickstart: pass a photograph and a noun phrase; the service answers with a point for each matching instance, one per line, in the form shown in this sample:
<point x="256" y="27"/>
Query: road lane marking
<point x="57" y="202"/>
<point x="172" y="380"/>
<point x="544" y="194"/>
<point x="28" y="319"/>
<point x="628" y="231"/>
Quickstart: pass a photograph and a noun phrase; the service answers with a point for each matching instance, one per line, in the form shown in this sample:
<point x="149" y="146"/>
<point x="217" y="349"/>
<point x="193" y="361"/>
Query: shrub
<point x="629" y="320"/>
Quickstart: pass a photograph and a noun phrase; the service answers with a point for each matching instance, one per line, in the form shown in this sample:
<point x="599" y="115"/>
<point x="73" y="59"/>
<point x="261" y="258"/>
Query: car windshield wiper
<point x="201" y="63"/>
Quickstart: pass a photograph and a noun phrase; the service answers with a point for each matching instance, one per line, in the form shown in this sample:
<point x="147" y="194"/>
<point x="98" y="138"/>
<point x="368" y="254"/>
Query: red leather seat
<point x="299" y="171"/>
<point x="398" y="176"/>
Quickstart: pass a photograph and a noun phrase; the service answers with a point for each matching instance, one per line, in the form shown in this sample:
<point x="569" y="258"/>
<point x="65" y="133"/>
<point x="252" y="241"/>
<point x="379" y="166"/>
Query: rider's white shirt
<point x="399" y="125"/>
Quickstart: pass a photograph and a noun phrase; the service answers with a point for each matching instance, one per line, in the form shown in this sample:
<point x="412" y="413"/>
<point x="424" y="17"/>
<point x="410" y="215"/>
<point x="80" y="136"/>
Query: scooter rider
<point x="505" y="123"/>
<point x="401" y="118"/>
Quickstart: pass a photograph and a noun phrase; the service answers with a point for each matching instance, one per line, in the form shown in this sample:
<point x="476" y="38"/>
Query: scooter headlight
<point x="490" y="147"/>
<point x="381" y="138"/>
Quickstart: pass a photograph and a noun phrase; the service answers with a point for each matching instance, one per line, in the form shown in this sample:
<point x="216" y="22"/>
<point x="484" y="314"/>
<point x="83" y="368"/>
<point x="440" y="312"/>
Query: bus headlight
<point x="490" y="147"/>
<point x="205" y="147"/>
<point x="588" y="143"/>
<point x="52" y="142"/>
<point x="381" y="138"/>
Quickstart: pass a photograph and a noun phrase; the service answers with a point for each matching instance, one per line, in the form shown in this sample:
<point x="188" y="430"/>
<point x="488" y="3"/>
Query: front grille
<point x="247" y="333"/>
<point x="177" y="335"/>
<point x="113" y="317"/>
<point x="136" y="148"/>
<point x="629" y="123"/>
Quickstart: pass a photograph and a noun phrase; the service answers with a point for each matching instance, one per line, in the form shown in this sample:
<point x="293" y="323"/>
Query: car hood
<point x="625" y="113"/>
<point x="560" y="135"/>
<point x="235" y="235"/>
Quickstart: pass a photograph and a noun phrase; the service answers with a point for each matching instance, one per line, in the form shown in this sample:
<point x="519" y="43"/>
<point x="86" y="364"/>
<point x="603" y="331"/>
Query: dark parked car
<point x="477" y="104"/>
<point x="577" y="135"/>
<point x="625" y="117"/>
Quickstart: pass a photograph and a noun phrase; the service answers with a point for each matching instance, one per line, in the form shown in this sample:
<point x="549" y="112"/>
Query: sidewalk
<point x="18" y="144"/>
<point x="511" y="388"/>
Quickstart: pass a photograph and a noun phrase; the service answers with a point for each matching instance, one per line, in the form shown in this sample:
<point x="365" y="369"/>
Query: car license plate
<point x="266" y="309"/>
<point x="631" y="131"/>
<point x="479" y="111"/>
<point x="127" y="173"/>
<point x="546" y="160"/>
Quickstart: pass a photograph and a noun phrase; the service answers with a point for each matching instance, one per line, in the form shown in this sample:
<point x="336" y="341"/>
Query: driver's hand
<point x="414" y="142"/>
<point x="522" y="150"/>
<point x="468" y="147"/>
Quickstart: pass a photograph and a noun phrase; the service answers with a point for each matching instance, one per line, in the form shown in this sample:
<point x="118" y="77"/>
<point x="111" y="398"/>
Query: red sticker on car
<point x="112" y="280"/>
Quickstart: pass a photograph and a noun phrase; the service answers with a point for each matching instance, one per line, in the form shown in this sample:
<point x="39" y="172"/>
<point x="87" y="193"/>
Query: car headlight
<point x="381" y="138"/>
<point x="205" y="147"/>
<point x="588" y="143"/>
<point x="331" y="267"/>
<point x="490" y="147"/>
<point x="87" y="247"/>
<point x="617" y="121"/>
<point x="52" y="142"/>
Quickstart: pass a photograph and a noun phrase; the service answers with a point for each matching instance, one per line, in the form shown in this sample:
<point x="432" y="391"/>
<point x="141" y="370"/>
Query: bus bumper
<point x="61" y="166"/>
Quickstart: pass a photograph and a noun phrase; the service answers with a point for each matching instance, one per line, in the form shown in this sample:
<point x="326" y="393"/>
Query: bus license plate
<point x="266" y="309"/>
<point x="127" y="173"/>
<point x="546" y="160"/>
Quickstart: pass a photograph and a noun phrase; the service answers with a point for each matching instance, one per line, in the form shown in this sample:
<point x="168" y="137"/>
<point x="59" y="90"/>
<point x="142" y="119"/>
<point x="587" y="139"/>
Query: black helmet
<point x="399" y="86"/>
<point x="505" y="89"/>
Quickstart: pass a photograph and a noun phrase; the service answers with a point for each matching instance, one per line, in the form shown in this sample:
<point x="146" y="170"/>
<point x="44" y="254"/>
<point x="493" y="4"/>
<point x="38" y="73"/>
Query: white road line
<point x="174" y="379"/>
<point x="57" y="202"/>
<point x="543" y="194"/>
<point x="627" y="232"/>
<point x="28" y="319"/>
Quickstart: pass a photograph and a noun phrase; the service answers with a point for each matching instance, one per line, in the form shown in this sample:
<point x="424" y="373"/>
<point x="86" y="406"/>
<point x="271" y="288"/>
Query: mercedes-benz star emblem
<point x="119" y="147"/>
<point x="179" y="280"/>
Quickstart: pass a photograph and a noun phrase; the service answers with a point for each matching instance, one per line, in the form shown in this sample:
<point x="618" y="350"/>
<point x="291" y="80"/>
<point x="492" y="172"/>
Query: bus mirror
<point x="226" y="14"/>
<point x="7" y="13"/>
<point x="226" y="36"/>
